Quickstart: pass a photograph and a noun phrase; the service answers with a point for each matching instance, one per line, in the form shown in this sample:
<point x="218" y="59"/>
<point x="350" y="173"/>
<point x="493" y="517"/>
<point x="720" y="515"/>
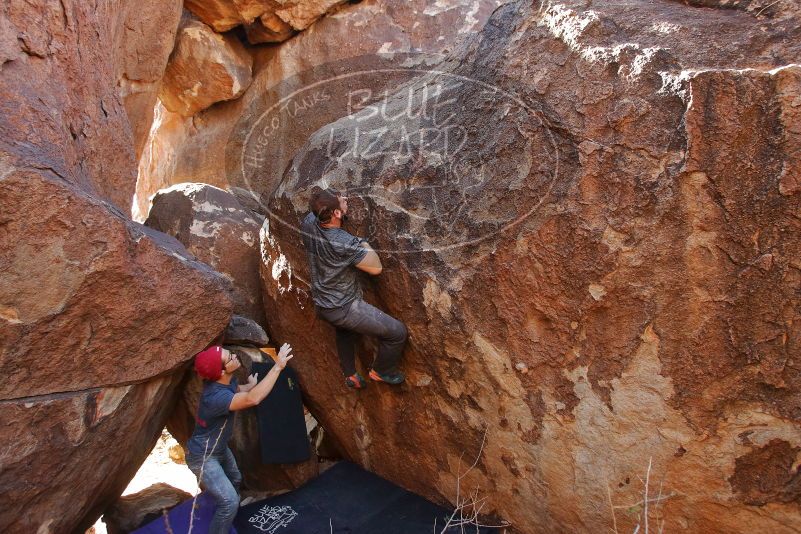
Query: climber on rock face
<point x="335" y="257"/>
<point x="208" y="455"/>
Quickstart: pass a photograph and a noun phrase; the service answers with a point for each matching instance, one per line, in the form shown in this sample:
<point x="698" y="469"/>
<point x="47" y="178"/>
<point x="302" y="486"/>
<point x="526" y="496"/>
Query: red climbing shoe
<point x="355" y="381"/>
<point x="391" y="377"/>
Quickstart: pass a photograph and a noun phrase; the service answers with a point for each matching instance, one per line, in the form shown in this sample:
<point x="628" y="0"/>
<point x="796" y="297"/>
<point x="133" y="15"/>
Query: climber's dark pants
<point x="359" y="317"/>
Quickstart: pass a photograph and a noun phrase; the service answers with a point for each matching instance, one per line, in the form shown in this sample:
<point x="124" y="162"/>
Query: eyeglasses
<point x="231" y="357"/>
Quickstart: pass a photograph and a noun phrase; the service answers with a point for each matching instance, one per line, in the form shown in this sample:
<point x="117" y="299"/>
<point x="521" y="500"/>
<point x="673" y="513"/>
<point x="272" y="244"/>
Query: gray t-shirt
<point x="332" y="254"/>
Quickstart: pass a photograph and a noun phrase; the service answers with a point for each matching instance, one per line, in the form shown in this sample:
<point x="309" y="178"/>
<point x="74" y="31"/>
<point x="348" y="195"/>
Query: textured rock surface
<point x="628" y="238"/>
<point x="785" y="9"/>
<point x="268" y="28"/>
<point x="111" y="85"/>
<point x="73" y="454"/>
<point x="205" y="68"/>
<point x="92" y="90"/>
<point x="144" y="41"/>
<point x="59" y="99"/>
<point x="607" y="276"/>
<point x="244" y="331"/>
<point x="98" y="315"/>
<point x="197" y="150"/>
<point x="245" y="441"/>
<point x="214" y="226"/>
<point x="158" y="161"/>
<point x="90" y="299"/>
<point x="132" y="511"/>
<point x="223" y="15"/>
<point x="300" y="14"/>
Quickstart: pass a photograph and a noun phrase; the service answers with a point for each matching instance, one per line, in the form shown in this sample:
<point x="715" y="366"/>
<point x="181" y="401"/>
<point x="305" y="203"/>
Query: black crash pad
<point x="346" y="499"/>
<point x="282" y="425"/>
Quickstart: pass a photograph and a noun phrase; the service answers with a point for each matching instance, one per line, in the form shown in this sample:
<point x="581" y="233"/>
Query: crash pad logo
<point x="290" y="383"/>
<point x="432" y="157"/>
<point x="271" y="518"/>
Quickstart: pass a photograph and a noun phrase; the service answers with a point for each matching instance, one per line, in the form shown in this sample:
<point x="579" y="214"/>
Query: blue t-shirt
<point x="214" y="422"/>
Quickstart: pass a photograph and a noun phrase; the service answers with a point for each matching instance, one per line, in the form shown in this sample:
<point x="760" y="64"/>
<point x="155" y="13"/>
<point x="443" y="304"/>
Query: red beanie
<point x="208" y="363"/>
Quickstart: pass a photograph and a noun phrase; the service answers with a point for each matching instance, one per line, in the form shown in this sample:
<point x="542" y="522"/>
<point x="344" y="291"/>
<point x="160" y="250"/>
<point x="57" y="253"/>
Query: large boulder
<point x="59" y="96"/>
<point x="89" y="302"/>
<point x="143" y="44"/>
<point x="205" y="68"/>
<point x="244" y="331"/>
<point x="98" y="315"/>
<point x="156" y="161"/>
<point x="213" y="225"/>
<point x="199" y="149"/>
<point x="223" y="15"/>
<point x="591" y="234"/>
<point x="73" y="454"/>
<point x="99" y="89"/>
<point x="90" y="299"/>
<point x="268" y="28"/>
<point x="300" y="14"/>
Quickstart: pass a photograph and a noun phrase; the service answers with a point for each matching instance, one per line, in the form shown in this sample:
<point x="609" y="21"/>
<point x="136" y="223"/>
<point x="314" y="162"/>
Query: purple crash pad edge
<point x="178" y="518"/>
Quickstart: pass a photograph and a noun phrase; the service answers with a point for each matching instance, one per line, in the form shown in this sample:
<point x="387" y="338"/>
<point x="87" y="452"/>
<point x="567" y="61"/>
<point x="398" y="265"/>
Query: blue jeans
<point x="220" y="477"/>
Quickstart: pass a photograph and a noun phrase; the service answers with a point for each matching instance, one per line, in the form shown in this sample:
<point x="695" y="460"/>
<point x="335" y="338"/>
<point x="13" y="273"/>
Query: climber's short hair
<point x="323" y="202"/>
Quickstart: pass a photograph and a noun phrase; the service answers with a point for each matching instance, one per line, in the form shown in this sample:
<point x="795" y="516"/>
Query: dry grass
<point x="467" y="511"/>
<point x="643" y="508"/>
